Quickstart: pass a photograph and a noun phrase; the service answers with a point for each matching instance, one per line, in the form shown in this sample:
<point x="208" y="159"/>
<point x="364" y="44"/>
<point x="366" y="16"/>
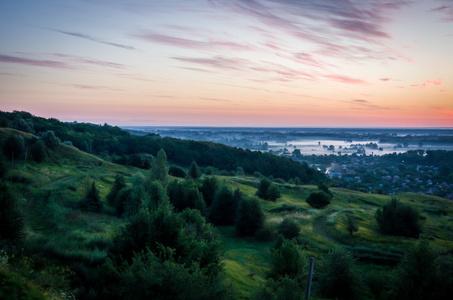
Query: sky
<point x="263" y="63"/>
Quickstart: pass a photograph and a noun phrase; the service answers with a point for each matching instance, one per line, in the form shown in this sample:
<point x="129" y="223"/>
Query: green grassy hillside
<point x="64" y="243"/>
<point x="325" y="229"/>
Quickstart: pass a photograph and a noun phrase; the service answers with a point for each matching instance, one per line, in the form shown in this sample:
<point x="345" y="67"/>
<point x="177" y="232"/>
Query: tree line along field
<point x="94" y="229"/>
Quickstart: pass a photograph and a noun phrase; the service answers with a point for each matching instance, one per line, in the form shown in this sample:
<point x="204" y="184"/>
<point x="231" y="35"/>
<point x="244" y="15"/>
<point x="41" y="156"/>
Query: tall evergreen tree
<point x="249" y="217"/>
<point x="159" y="167"/>
<point x="208" y="189"/>
<point x="92" y="201"/>
<point x="194" y="171"/>
<point x="224" y="206"/>
<point x="118" y="185"/>
<point x="12" y="228"/>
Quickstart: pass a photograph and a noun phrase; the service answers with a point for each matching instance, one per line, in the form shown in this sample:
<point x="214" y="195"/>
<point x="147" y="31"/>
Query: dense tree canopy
<point x="120" y="144"/>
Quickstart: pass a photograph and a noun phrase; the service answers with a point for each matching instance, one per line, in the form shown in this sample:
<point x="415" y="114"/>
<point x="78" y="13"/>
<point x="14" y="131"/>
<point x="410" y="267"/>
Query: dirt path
<point x="319" y="227"/>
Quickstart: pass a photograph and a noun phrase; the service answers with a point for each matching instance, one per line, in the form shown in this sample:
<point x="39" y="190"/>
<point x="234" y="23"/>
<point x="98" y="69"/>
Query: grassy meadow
<point x="63" y="243"/>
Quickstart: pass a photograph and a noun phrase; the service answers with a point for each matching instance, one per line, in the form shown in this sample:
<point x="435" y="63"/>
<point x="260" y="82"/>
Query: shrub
<point x="177" y="172"/>
<point x="318" y="199"/>
<point x="397" y="219"/>
<point x="288" y="228"/>
<point x="268" y="190"/>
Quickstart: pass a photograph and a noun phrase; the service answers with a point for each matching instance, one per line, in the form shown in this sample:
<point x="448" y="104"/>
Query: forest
<point x="94" y="212"/>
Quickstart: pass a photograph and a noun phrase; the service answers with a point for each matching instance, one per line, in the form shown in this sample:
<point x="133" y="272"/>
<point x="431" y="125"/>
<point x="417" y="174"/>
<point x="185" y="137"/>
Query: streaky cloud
<point x="192" y="44"/>
<point x="96" y="40"/>
<point x="428" y="83"/>
<point x="329" y="24"/>
<point x="90" y="61"/>
<point x="35" y="62"/>
<point x="94" y="87"/>
<point x="345" y="79"/>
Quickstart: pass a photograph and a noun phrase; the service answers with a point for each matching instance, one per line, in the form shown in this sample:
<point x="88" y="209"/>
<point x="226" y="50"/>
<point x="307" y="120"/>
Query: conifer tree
<point x="12" y="228"/>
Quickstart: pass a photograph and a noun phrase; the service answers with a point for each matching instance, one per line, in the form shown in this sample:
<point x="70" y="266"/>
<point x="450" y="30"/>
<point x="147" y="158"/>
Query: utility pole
<point x="310" y="277"/>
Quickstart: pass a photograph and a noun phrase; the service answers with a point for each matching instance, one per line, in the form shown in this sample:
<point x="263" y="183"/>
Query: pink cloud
<point x="192" y="44"/>
<point x="362" y="21"/>
<point x="444" y="111"/>
<point x="429" y="82"/>
<point x="345" y="79"/>
<point x="361" y="27"/>
<point x="93" y="87"/>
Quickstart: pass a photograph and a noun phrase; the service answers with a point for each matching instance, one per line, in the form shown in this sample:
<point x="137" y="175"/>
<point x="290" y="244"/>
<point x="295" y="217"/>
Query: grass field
<point x="56" y="229"/>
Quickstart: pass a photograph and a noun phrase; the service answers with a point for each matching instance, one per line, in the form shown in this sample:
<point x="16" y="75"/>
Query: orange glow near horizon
<point x="230" y="63"/>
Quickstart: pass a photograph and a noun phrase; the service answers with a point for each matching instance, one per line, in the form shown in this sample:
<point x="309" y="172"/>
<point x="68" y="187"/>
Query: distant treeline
<point x="122" y="147"/>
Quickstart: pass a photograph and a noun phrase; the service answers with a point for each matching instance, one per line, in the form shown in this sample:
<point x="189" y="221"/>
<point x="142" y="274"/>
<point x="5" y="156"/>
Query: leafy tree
<point x="283" y="288"/>
<point x="267" y="190"/>
<point x="138" y="197"/>
<point x="121" y="200"/>
<point x="159" y="167"/>
<point x="263" y="187"/>
<point x="224" y="206"/>
<point x="286" y="279"/>
<point x="194" y="171"/>
<point x="422" y="274"/>
<point x="249" y="217"/>
<point x="273" y="193"/>
<point x="22" y="124"/>
<point x="322" y="186"/>
<point x="318" y="199"/>
<point x="38" y="151"/>
<point x="208" y="189"/>
<point x="338" y="277"/>
<point x="12" y="227"/>
<point x="289" y="228"/>
<point x="92" y="201"/>
<point x="148" y="230"/>
<point x="351" y="224"/>
<point x="3" y="166"/>
<point x="397" y="219"/>
<point x="148" y="277"/>
<point x="50" y="139"/>
<point x="288" y="261"/>
<point x="117" y="186"/>
<point x="185" y="194"/>
<point x="14" y="147"/>
<point x="157" y="194"/>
